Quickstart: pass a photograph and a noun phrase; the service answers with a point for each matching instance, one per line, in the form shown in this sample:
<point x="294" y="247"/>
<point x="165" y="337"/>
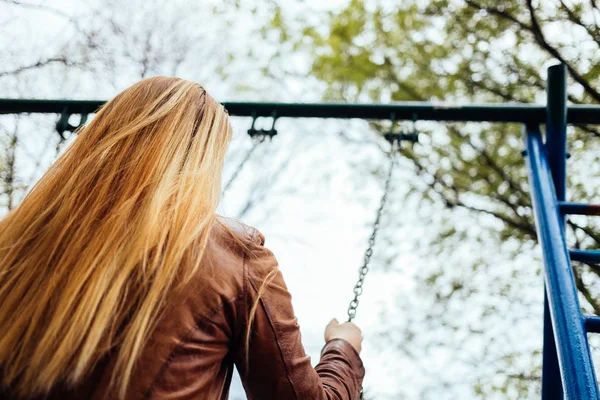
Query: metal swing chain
<point x="362" y="272"/>
<point x="257" y="141"/>
<point x="258" y="136"/>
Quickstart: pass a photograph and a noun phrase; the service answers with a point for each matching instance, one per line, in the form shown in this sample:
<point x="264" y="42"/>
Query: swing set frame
<point x="567" y="367"/>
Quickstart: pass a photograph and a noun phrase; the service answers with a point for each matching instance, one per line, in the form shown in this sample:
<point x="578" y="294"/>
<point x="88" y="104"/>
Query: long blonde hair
<point x="122" y="218"/>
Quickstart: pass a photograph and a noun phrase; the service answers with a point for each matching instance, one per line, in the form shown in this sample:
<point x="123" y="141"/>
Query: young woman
<point x="118" y="281"/>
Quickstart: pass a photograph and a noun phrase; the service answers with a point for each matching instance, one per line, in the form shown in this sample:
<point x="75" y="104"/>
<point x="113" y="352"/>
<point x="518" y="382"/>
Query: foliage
<point x="469" y="51"/>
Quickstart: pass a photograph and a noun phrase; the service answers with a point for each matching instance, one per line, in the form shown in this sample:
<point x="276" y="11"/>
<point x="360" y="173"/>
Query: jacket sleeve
<point x="274" y="364"/>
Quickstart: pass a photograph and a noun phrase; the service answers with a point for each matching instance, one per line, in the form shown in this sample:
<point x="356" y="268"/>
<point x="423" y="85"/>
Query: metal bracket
<point x="63" y="125"/>
<point x="395" y="138"/>
<point x="263" y="133"/>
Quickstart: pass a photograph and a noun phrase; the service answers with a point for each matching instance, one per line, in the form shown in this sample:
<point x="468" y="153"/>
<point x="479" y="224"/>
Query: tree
<point x="472" y="176"/>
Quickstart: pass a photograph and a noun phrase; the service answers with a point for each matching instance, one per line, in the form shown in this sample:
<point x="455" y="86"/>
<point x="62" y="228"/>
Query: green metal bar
<point x="422" y="111"/>
<point x="556" y="147"/>
<point x="556" y="127"/>
<point x="409" y="111"/>
<point x="16" y="106"/>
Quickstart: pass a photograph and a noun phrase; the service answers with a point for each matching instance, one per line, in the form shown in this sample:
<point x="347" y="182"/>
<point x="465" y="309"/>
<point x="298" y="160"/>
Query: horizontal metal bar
<point x="421" y="111"/>
<point x="14" y="106"/>
<point x="577" y="370"/>
<point x="592" y="324"/>
<point x="526" y="113"/>
<point x="585" y="256"/>
<point x="578" y="208"/>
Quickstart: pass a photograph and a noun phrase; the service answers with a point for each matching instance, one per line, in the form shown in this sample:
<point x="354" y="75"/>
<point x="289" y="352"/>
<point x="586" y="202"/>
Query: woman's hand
<point x="347" y="331"/>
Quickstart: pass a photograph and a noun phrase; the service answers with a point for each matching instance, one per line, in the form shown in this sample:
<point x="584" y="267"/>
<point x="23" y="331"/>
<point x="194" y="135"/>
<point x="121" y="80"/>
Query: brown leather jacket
<point x="192" y="352"/>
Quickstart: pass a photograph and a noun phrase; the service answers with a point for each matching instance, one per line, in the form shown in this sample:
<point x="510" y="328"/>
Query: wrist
<point x="344" y="342"/>
<point x="342" y="346"/>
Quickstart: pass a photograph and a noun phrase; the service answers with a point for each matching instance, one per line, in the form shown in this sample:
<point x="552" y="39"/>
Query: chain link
<point x="364" y="269"/>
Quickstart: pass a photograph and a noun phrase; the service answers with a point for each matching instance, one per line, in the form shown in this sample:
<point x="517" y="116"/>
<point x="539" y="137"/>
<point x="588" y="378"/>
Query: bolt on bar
<point x="422" y="111"/>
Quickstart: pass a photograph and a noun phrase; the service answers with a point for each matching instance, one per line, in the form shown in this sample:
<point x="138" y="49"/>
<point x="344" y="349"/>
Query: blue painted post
<point x="556" y="146"/>
<point x="551" y="382"/>
<point x="575" y="360"/>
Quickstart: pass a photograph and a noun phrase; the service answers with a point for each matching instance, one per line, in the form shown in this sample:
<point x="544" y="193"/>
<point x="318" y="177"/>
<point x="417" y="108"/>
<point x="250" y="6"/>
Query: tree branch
<point x="449" y="202"/>
<point x="47" y="9"/>
<point x="393" y="77"/>
<point x="497" y="91"/>
<point x="585" y="291"/>
<point x="39" y="64"/>
<point x="586" y="229"/>
<point x="498" y="12"/>
<point x="588" y="129"/>
<point x="8" y="176"/>
<point x="594" y="33"/>
<point x="539" y="36"/>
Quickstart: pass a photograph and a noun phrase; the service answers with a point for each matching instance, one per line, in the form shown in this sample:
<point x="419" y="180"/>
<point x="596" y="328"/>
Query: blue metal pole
<point x="552" y="388"/>
<point x="577" y="371"/>
<point x="556" y="146"/>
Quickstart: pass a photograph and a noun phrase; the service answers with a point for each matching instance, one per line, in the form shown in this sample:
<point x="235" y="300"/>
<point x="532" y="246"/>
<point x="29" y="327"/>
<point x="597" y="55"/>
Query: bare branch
<point x="524" y="377"/>
<point x="8" y="176"/>
<point x="585" y="291"/>
<point x="39" y="64"/>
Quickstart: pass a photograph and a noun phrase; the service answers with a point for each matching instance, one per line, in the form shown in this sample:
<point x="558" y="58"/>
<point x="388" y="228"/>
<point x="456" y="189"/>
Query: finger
<point x="331" y="325"/>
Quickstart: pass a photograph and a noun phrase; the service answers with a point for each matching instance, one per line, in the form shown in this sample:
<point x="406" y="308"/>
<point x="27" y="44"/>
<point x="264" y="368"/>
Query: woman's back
<point x="202" y="335"/>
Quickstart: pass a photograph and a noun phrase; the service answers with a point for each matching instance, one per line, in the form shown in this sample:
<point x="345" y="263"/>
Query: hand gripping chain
<point x="364" y="269"/>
